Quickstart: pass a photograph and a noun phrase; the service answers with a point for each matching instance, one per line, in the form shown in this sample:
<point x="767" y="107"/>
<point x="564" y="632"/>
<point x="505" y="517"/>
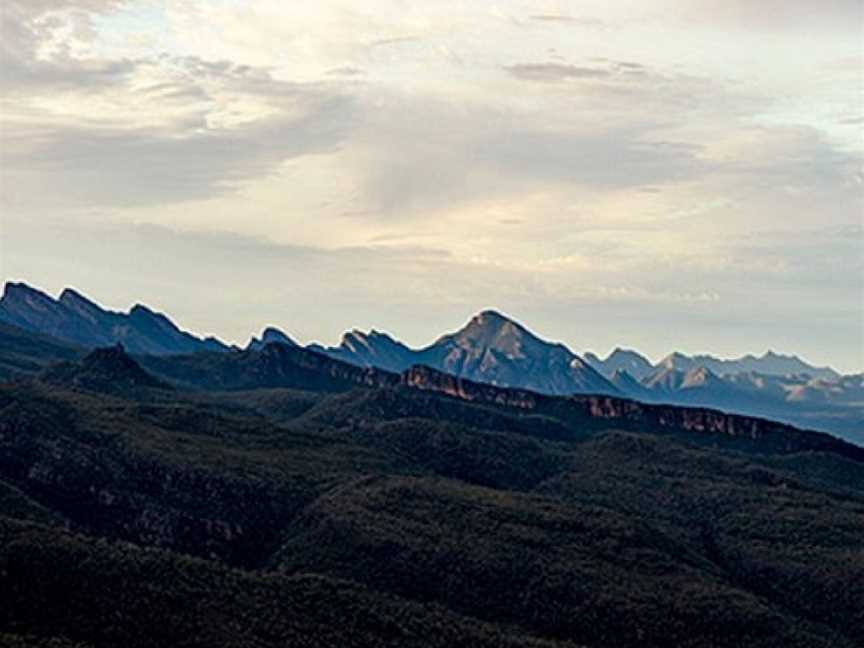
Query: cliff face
<point x="430" y="380"/>
<point x="777" y="437"/>
<point x="291" y="367"/>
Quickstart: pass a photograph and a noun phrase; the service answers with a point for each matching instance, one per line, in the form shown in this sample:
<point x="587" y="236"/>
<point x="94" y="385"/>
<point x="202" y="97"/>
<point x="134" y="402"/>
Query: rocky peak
<point x="631" y="361"/>
<point x="141" y="312"/>
<point x="492" y="330"/>
<point x="78" y="303"/>
<point x="21" y="293"/>
<point x="355" y="341"/>
<point x="72" y="297"/>
<point x="270" y="335"/>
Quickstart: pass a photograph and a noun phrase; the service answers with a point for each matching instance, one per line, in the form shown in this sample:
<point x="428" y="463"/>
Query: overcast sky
<point x="667" y="174"/>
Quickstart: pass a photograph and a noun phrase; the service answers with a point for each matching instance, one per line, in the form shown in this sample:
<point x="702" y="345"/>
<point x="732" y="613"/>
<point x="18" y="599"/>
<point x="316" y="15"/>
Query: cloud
<point x="85" y="132"/>
<point x="567" y="20"/>
<point x="36" y="45"/>
<point x="92" y="167"/>
<point x="550" y="72"/>
<point x="844" y="15"/>
<point x="346" y="71"/>
<point x="676" y="175"/>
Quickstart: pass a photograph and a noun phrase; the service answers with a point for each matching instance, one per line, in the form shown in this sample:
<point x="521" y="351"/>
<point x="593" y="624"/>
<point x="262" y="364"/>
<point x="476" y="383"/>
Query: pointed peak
<point x="72" y="294"/>
<point x="620" y="352"/>
<point x="73" y="298"/>
<point x="141" y="309"/>
<point x="771" y="355"/>
<point x="270" y="335"/>
<point x="353" y="336"/>
<point x="491" y="317"/>
<point x="677" y="355"/>
<point x="273" y="334"/>
<point x="375" y="334"/>
<point x="492" y="322"/>
<point x="17" y="290"/>
<point x="676" y="359"/>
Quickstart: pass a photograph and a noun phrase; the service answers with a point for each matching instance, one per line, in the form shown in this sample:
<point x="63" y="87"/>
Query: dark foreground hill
<point x="282" y="498"/>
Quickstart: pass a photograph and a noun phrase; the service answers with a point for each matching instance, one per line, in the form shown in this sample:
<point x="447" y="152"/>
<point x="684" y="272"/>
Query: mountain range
<point x="283" y="497"/>
<point x="76" y="319"/>
<point x="493" y="349"/>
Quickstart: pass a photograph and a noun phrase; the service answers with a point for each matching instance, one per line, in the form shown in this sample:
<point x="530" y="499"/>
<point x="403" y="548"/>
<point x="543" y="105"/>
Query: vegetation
<point x="132" y="514"/>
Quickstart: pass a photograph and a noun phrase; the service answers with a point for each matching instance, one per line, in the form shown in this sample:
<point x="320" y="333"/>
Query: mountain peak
<point x="490" y="329"/>
<point x="491" y="317"/>
<point x="20" y="291"/>
<point x="142" y="310"/>
<point x="107" y="369"/>
<point x="72" y="295"/>
<point x="495" y="349"/>
<point x="634" y="363"/>
<point x="270" y="335"/>
<point x="74" y="300"/>
<point x="490" y="322"/>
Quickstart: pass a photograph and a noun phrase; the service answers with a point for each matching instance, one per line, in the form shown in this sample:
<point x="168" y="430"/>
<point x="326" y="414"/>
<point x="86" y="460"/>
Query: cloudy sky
<point x="666" y="174"/>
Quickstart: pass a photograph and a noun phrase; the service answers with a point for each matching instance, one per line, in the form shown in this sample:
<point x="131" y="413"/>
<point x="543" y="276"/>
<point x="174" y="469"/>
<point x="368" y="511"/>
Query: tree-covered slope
<point x="332" y="505"/>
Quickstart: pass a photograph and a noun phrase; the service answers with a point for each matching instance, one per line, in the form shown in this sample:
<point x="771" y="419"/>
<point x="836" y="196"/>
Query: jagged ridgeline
<point x="280" y="496"/>
<point x="491" y="348"/>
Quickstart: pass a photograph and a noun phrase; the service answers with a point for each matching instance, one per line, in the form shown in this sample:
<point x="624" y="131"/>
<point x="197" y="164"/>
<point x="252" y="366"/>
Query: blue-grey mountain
<point x="76" y="319"/>
<point x="492" y="349"/>
<point x="269" y="335"/>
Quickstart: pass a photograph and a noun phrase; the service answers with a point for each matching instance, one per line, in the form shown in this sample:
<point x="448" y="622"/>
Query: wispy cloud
<point x="518" y="148"/>
<point x="554" y="72"/>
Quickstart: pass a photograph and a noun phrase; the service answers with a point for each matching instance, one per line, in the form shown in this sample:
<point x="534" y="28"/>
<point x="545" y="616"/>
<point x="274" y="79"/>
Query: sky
<point x="660" y="175"/>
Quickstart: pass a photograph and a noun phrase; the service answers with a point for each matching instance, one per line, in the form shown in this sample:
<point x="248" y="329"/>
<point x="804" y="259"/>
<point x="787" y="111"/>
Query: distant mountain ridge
<point x="74" y="318"/>
<point x="770" y="363"/>
<point x="746" y="382"/>
<point x="280" y="366"/>
<point x="373" y="349"/>
<point x="490" y="348"/>
<point x="635" y="364"/>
